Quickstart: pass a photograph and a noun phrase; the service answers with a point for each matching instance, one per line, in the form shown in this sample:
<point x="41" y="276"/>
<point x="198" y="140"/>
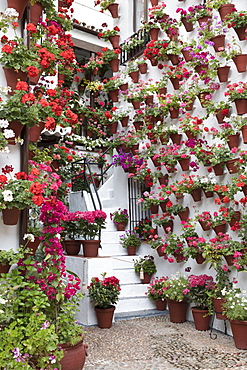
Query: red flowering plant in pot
<point x="108" y="33"/>
<point x="198" y="290"/>
<point x="120" y="218"/>
<point x="195" y="247"/>
<point x="155" y="51"/>
<point x="174" y="248"/>
<point x="156" y="290"/>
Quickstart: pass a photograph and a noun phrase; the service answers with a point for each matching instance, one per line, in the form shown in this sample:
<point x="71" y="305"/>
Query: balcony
<point x="133" y="46"/>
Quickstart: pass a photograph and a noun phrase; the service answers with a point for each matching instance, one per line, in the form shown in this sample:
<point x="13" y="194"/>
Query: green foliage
<point x="177" y="287"/>
<point x="19" y="194"/>
<point x="10" y="256"/>
<point x="147" y="264"/>
<point x="130" y="239"/>
<point x="235" y="307"/>
<point x="157" y="289"/>
<point x="104" y="292"/>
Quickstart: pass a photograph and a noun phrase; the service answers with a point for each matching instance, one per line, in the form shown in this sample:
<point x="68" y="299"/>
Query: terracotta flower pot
<point x="4" y="268"/>
<point x="113" y="95"/>
<point x="35" y="131"/>
<point x="74" y="356"/>
<point x="18" y="5"/>
<point x="131" y="249"/>
<point x="220" y="229"/>
<point x="146" y="279"/>
<point x="173" y="58"/>
<point x="183" y="215"/>
<point x="175" y="82"/>
<point x="177" y="310"/>
<point x="124" y="121"/>
<point x="12" y="76"/>
<point x="240" y="31"/>
<point x="114" y="64"/>
<point x="185" y="163"/>
<point x="143" y="68"/>
<point x="233" y="140"/>
<point x="174" y="113"/>
<point x="72" y="247"/>
<point x="134" y="76"/>
<point x="187" y="25"/>
<point x="113" y="9"/>
<point x="219" y="169"/>
<point x="176" y="138"/>
<point x="186" y="54"/>
<point x="200" y="259"/>
<point x="104" y="316"/>
<point x="36" y="13"/>
<point x="11" y="216"/>
<point x="219" y="42"/>
<point x="240" y="62"/>
<point x="121" y="226"/>
<point x="114" y="40"/>
<point x="160" y="304"/>
<point x="223" y="73"/>
<point x="241" y="106"/>
<point x="235" y="218"/>
<point x="201" y="322"/>
<point x="239" y="331"/>
<point x="17" y="127"/>
<point x="90" y="248"/>
<point x="226" y="9"/>
<point x="217" y="305"/>
<point x="233" y="165"/>
<point x="197" y="194"/>
<point x="154" y="33"/>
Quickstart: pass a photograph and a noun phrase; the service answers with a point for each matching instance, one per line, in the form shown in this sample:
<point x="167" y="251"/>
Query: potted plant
<point x="120" y="218"/>
<point x="111" y="57"/>
<point x="91" y="224"/>
<point x="146" y="267"/>
<point x="105" y="294"/>
<point x="237" y="92"/>
<point x="131" y="241"/>
<point x="72" y="224"/>
<point x="174" y="245"/>
<point x="156" y="292"/>
<point x="155" y="51"/>
<point x="177" y="295"/>
<point x="110" y="5"/>
<point x="237" y="20"/>
<point x="8" y="258"/>
<point x="199" y="286"/>
<point x="235" y="309"/>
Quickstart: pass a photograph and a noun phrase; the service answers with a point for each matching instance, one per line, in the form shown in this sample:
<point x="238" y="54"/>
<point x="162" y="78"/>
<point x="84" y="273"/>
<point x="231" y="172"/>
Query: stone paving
<point x="154" y="343"/>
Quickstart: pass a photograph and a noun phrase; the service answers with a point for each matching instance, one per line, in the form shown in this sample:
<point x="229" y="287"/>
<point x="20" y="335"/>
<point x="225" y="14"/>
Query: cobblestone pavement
<point x="154" y="343"/>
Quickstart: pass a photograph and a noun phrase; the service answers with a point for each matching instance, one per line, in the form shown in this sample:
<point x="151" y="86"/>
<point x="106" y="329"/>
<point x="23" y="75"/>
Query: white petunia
<point x="7" y="195"/>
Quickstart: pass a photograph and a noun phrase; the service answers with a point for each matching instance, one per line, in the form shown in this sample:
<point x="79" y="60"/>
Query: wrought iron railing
<point x="136" y="212"/>
<point x="135" y="46"/>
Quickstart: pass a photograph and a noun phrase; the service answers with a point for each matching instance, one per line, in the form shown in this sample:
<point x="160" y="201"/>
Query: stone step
<point x="135" y="304"/>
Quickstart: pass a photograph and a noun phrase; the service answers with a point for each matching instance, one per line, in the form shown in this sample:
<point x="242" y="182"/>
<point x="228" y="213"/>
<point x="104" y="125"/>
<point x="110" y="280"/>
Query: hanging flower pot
<point x="113" y="9"/>
<point x="219" y="42"/>
<point x="159" y="251"/>
<point x="240" y="31"/>
<point x="134" y="76"/>
<point x="11" y="216"/>
<point x="186" y="54"/>
<point x="168" y="226"/>
<point x="17" y="127"/>
<point x="185" y="163"/>
<point x="163" y="90"/>
<point x="201" y="69"/>
<point x="220" y="116"/>
<point x="190" y="135"/>
<point x="113" y="95"/>
<point x="240" y="62"/>
<point x="218" y="308"/>
<point x="12" y="76"/>
<point x="233" y="165"/>
<point x="36" y="12"/>
<point x="235" y="218"/>
<point x="179" y="257"/>
<point x="244" y="133"/>
<point x="175" y="82"/>
<point x="219" y="168"/>
<point x="174" y="113"/>
<point x="196" y="194"/>
<point x="208" y="194"/>
<point x="154" y="62"/>
<point x="219" y="229"/>
<point x="200" y="259"/>
<point x="160" y="304"/>
<point x="176" y="138"/>
<point x="104" y="316"/>
<point x="149" y="100"/>
<point x="35" y="131"/>
<point x="114" y="64"/>
<point x="138" y="125"/>
<point x="173" y="58"/>
<point x="226" y="9"/>
<point x="124" y="87"/>
<point x="163" y="205"/>
<point x="124" y="121"/>
<point x="189" y="106"/>
<point x="183" y="215"/>
<point x="241" y="106"/>
<point x="154" y="209"/>
<point x="154" y="2"/>
<point x="113" y="127"/>
<point x="201" y="321"/>
<point x="136" y="104"/>
<point x="114" y="40"/>
<point x="154" y="33"/>
<point x="229" y="259"/>
<point x="203" y="100"/>
<point x="204" y="226"/>
<point x="177" y="310"/>
<point x="18" y="5"/>
<point x="163" y="180"/>
<point x="223" y="73"/>
<point x="72" y="247"/>
<point x="206" y="19"/>
<point x="233" y="140"/>
<point x="187" y="25"/>
<point x="173" y="34"/>
<point x="143" y="68"/>
<point x="135" y="149"/>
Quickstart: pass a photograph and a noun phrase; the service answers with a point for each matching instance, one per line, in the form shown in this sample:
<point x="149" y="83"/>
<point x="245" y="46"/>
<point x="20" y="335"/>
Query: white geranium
<point x="11" y="13"/>
<point x="29" y="237"/>
<point x="4" y="123"/>
<point x="8" y="133"/>
<point x="7" y="196"/>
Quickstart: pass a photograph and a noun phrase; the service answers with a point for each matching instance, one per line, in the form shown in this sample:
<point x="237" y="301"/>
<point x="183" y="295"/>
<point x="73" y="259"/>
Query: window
<point x="140" y="13"/>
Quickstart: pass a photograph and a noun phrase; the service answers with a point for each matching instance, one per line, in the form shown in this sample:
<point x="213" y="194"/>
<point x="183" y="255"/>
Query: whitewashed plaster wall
<point x="165" y="268"/>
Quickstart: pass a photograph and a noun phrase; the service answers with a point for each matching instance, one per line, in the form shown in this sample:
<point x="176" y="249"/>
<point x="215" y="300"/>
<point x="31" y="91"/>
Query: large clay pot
<point x="18" y="5"/>
<point x="201" y="322"/>
<point x="217" y="305"/>
<point x="11" y="216"/>
<point x="74" y="356"/>
<point x="239" y="331"/>
<point x="160" y="304"/>
<point x="72" y="247"/>
<point x="104" y="316"/>
<point x="90" y="248"/>
<point x="177" y="310"/>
